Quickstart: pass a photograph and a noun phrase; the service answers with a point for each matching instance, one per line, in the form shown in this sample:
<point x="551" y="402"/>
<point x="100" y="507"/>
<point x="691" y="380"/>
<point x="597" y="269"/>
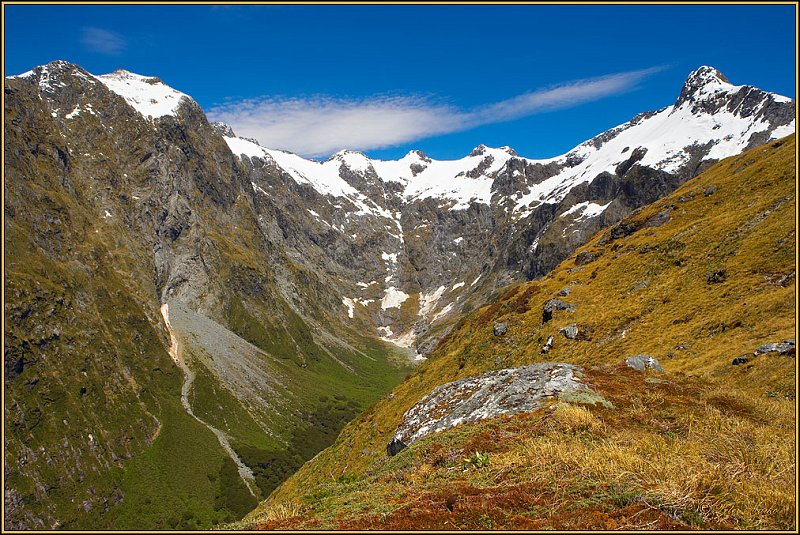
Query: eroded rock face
<point x="500" y="392"/>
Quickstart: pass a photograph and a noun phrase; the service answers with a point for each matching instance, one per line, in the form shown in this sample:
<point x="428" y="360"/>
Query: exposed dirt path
<point x="176" y="352"/>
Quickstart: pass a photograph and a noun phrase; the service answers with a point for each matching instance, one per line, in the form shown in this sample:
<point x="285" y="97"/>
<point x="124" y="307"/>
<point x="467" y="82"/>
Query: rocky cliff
<point x="417" y="241"/>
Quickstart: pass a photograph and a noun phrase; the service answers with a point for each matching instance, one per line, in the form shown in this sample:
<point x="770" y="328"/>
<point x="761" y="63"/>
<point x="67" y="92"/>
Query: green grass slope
<point x="695" y="280"/>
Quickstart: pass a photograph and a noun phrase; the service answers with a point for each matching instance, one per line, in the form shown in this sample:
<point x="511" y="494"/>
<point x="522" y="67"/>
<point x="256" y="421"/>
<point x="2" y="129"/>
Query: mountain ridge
<point x="683" y="139"/>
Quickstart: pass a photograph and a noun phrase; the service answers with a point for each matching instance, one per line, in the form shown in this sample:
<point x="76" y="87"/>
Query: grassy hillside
<point x="695" y="280"/>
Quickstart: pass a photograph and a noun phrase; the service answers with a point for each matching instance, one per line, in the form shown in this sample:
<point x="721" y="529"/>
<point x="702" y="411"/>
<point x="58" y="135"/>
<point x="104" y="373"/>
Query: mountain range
<point x="177" y="296"/>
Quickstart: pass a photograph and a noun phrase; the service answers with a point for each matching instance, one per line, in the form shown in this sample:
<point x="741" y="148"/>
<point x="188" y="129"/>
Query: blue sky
<point x="443" y="79"/>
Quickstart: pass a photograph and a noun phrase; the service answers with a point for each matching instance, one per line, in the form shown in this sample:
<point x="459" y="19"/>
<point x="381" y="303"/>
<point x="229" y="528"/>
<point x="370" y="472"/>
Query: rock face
<point x="643" y="362"/>
<point x="508" y="391"/>
<point x="495" y="217"/>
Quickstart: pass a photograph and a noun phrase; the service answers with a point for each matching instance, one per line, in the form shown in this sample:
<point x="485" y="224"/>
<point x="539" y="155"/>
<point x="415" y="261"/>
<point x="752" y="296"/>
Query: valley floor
<point x="176" y="352"/>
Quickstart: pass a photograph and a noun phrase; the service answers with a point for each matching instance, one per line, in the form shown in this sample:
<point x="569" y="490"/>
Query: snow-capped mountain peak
<point x="711" y="119"/>
<point x="703" y="84"/>
<point x="705" y="75"/>
<point x="354" y="160"/>
<point x="147" y="94"/>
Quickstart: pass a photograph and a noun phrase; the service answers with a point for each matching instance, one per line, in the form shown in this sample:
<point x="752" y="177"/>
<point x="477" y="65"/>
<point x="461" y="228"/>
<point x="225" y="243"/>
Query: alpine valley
<point x="190" y="317"/>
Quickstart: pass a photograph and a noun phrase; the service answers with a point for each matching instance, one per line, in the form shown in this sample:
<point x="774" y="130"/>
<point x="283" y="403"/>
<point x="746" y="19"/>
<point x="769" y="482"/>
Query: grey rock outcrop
<point x="500" y="328"/>
<point x="551" y="306"/>
<point x="786" y="347"/>
<point x="500" y="392"/>
<point x="643" y="362"/>
<point x="570" y="332"/>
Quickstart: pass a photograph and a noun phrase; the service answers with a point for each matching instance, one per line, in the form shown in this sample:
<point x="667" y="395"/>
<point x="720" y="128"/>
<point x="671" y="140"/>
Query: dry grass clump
<point x="283" y="511"/>
<point x="573" y="419"/>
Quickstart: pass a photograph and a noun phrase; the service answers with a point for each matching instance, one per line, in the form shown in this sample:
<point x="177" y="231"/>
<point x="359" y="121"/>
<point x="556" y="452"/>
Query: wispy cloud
<point x="103" y="41"/>
<point x="321" y="125"/>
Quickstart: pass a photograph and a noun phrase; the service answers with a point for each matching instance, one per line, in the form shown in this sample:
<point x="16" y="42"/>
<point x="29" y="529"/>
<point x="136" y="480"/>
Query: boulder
<point x="570" y="332"/>
<point x="716" y="277"/>
<point x="548" y="345"/>
<point x="782" y="348"/>
<point x="660" y="218"/>
<point x="584" y="257"/>
<point x="643" y="362"/>
<point x="743" y="359"/>
<point x="395" y="446"/>
<point x="496" y="393"/>
<point x="552" y="305"/>
<point x="500" y="328"/>
<point x="564" y="291"/>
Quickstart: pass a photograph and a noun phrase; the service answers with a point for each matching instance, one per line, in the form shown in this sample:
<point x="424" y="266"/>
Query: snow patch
<point x="586" y="210"/>
<point x="442" y="312"/>
<point x="346" y="301"/>
<point x="148" y="95"/>
<point x="428" y="301"/>
<point x="393" y="298"/>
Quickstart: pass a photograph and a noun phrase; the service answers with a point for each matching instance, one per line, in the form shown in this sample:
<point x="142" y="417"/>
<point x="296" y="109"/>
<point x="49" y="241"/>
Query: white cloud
<point x="321" y="125"/>
<point x="103" y="41"/>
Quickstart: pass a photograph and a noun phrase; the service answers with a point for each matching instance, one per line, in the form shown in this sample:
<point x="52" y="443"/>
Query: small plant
<point x="283" y="512"/>
<point x="347" y="478"/>
<point x="477" y="460"/>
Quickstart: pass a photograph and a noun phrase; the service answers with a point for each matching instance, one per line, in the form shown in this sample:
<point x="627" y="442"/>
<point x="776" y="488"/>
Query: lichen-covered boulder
<point x="500" y="392"/>
<point x="644" y="362"/>
<point x="782" y="348"/>
<point x="500" y="328"/>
